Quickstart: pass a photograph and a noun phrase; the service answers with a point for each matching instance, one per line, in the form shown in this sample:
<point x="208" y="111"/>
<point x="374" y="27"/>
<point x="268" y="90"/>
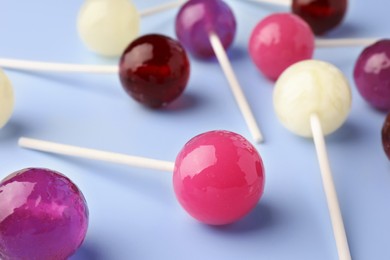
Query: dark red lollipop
<point x="154" y="70"/>
<point x="386" y="136"/>
<point x="321" y="15"/>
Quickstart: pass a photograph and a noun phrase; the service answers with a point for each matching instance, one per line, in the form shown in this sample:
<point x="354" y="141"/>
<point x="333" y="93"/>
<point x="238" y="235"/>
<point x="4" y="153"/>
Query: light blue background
<point x="133" y="212"/>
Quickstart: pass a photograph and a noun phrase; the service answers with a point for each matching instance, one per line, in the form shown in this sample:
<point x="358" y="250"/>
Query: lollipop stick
<point x="135" y="161"/>
<point x="161" y="8"/>
<point x="286" y="3"/>
<point x="347" y="42"/>
<point x="235" y="87"/>
<point x="57" y="67"/>
<point x="330" y="190"/>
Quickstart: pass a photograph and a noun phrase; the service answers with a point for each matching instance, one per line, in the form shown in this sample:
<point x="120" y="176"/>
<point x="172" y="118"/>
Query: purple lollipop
<point x="43" y="215"/>
<point x="372" y="74"/>
<point x="207" y="28"/>
<point x="198" y="18"/>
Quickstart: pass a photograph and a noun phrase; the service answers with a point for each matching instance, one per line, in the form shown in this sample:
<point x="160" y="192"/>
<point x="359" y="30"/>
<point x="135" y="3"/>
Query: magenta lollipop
<point x="43" y="215"/>
<point x="372" y="74"/>
<point x="218" y="176"/>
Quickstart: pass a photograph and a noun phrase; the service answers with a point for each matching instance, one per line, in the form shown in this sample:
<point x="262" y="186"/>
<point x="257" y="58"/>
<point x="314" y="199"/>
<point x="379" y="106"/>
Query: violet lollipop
<point x="206" y="28"/>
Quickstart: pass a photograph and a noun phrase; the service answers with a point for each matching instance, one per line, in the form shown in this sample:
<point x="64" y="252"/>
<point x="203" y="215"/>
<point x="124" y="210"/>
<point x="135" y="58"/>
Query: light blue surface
<point x="133" y="212"/>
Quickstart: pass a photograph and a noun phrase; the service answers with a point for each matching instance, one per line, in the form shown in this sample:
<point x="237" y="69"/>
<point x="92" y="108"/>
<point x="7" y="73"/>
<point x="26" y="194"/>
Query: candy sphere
<point x="6" y="99"/>
<point x="43" y="215"/>
<point x="154" y="70"/>
<point x="372" y="74"/>
<point x="311" y="87"/>
<point x="321" y="15"/>
<point x="386" y="136"/>
<point x="218" y="177"/>
<point x="108" y="26"/>
<point x="278" y="41"/>
<point x="197" y="18"/>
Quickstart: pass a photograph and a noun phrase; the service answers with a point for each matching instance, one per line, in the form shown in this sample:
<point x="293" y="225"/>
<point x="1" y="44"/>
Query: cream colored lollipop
<point x="108" y="26"/>
<point x="309" y="87"/>
<point x="6" y="99"/>
<point x="313" y="98"/>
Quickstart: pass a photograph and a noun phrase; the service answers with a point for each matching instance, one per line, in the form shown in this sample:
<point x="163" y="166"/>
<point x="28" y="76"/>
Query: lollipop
<point x="372" y="74"/>
<point x="43" y="215"/>
<point x="282" y="39"/>
<point x="107" y="26"/>
<point x="386" y="136"/>
<point x="206" y="28"/>
<point x="154" y="69"/>
<point x="321" y="15"/>
<point x="218" y="176"/>
<point x="312" y="99"/>
<point x="6" y="99"/>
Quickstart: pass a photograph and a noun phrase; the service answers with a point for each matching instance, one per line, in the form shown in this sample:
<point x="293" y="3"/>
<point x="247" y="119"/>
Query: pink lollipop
<point x="43" y="215"/>
<point x="283" y="39"/>
<point x="218" y="176"/>
<point x="278" y="41"/>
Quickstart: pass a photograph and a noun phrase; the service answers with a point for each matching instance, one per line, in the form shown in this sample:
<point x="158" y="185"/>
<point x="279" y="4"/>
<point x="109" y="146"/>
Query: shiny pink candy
<point x="278" y="41"/>
<point x="218" y="177"/>
<point x="43" y="215"/>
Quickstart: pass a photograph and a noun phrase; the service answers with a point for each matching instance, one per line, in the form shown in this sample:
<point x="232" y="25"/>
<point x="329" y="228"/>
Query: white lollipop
<point x="313" y="98"/>
<point x="6" y="99"/>
<point x="108" y="26"/>
<point x="309" y="87"/>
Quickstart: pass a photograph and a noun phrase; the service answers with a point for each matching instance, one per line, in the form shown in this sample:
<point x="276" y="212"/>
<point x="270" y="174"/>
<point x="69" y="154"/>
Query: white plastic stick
<point x="57" y="67"/>
<point x="344" y="42"/>
<point x="135" y="161"/>
<point x="330" y="190"/>
<point x="286" y="3"/>
<point x="235" y="87"/>
<point x="161" y="8"/>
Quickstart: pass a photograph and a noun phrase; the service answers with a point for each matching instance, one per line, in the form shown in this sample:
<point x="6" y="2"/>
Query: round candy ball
<point x="43" y="215"/>
<point x="278" y="41"/>
<point x="154" y="70"/>
<point x="6" y="99"/>
<point x="197" y="18"/>
<point x="386" y="136"/>
<point x="311" y="87"/>
<point x="108" y="26"/>
<point x="321" y="15"/>
<point x="372" y="75"/>
<point x="218" y="177"/>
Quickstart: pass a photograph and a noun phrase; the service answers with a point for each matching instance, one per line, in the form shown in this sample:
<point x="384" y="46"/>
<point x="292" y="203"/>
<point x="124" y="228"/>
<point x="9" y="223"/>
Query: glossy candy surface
<point x="386" y="136"/>
<point x="321" y="15"/>
<point x="372" y="75"/>
<point x="278" y="41"/>
<point x="43" y="215"/>
<point x="108" y="26"/>
<point x="197" y="18"/>
<point x="311" y="87"/>
<point x="154" y="70"/>
<point x="218" y="177"/>
<point x="6" y="99"/>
